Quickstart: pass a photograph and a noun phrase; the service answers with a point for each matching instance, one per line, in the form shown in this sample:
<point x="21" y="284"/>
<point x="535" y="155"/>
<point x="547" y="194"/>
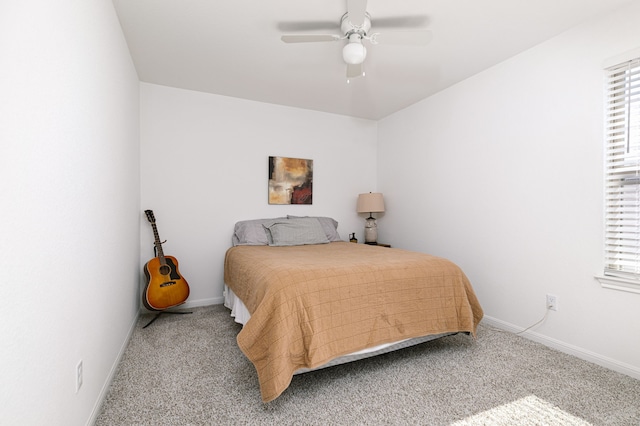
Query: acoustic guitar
<point x="165" y="286"/>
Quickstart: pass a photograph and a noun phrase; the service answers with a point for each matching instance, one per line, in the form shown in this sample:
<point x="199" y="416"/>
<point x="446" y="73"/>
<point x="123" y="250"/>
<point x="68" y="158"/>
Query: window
<point x="622" y="171"/>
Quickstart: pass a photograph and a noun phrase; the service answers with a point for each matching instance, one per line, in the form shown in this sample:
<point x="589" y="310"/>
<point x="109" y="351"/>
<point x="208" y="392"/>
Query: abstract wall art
<point x="290" y="180"/>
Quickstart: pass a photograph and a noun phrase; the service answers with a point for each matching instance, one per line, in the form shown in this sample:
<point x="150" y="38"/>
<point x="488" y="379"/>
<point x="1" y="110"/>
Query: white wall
<point x="205" y="166"/>
<point x="503" y="173"/>
<point x="69" y="234"/>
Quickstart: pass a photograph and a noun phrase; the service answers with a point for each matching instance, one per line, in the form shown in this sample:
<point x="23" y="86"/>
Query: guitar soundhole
<point x="164" y="270"/>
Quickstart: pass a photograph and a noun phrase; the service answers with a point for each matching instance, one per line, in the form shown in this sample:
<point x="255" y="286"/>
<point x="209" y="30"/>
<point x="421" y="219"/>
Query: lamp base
<point x="370" y="231"/>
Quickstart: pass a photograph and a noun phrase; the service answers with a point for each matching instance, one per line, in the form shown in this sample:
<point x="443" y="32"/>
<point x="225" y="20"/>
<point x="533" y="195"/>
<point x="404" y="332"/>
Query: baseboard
<point x="576" y="351"/>
<point x="107" y="384"/>
<point x="203" y="302"/>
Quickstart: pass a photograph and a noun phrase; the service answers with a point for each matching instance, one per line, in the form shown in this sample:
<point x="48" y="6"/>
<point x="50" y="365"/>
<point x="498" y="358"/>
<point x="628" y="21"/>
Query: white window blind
<point x="622" y="170"/>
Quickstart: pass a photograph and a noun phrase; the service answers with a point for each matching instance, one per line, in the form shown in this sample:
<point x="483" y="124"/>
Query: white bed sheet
<point x="241" y="315"/>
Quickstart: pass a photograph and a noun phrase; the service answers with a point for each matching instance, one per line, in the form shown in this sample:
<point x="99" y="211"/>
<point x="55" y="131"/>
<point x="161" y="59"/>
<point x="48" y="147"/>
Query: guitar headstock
<point x="150" y="216"/>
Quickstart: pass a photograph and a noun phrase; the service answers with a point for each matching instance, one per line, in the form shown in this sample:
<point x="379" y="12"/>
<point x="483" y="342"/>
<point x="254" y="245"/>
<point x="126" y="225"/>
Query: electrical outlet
<point x="552" y="302"/>
<point x="78" y="376"/>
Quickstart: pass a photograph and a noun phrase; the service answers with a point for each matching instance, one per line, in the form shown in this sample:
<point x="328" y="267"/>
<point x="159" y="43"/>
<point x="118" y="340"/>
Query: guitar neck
<point x="158" y="244"/>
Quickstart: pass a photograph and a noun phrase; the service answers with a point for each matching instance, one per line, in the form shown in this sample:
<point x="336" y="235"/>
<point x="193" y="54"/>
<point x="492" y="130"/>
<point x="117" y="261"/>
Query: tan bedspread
<point x="310" y="304"/>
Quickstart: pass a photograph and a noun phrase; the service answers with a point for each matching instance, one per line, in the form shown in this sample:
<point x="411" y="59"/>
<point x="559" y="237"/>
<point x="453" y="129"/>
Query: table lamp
<point x="371" y="202"/>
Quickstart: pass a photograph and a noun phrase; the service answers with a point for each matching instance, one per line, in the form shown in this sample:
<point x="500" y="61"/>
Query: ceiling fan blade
<point x="407" y="21"/>
<point x="354" y="71"/>
<point x="356" y="11"/>
<point x="293" y="26"/>
<point x="403" y="37"/>
<point x="309" y="38"/>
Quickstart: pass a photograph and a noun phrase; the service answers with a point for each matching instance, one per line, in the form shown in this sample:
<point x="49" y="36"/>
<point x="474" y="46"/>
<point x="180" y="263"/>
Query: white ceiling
<point x="233" y="47"/>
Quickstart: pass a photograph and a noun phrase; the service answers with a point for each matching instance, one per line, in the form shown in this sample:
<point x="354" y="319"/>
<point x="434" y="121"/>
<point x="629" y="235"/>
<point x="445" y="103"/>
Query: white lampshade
<point x="371" y="202"/>
<point x="354" y="53"/>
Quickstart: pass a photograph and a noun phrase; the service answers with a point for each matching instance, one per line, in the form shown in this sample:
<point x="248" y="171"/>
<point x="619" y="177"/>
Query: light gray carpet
<point x="188" y="370"/>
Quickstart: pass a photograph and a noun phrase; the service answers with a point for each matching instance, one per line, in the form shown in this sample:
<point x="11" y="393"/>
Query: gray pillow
<point x="295" y="232"/>
<point x="329" y="225"/>
<point x="251" y="232"/>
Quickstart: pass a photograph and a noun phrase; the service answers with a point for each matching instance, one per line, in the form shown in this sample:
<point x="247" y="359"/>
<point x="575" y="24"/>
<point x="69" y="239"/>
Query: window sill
<point x="621" y="284"/>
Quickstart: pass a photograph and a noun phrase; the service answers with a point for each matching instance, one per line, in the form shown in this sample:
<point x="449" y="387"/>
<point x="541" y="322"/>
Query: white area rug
<point x="528" y="411"/>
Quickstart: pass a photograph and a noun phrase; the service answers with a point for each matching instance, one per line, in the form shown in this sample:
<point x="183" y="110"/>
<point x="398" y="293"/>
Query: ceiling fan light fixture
<point x="354" y="53"/>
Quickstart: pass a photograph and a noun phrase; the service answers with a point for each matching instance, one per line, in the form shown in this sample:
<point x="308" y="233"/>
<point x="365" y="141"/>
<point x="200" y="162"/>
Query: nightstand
<point x="379" y="244"/>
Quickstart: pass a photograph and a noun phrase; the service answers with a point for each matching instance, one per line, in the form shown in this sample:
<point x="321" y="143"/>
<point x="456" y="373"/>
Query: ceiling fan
<point x="355" y="26"/>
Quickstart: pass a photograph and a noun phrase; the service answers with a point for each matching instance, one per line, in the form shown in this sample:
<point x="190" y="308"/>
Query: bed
<point x="307" y="299"/>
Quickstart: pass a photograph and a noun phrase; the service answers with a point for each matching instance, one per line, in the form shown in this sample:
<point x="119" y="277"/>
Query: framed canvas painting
<point x="290" y="180"/>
